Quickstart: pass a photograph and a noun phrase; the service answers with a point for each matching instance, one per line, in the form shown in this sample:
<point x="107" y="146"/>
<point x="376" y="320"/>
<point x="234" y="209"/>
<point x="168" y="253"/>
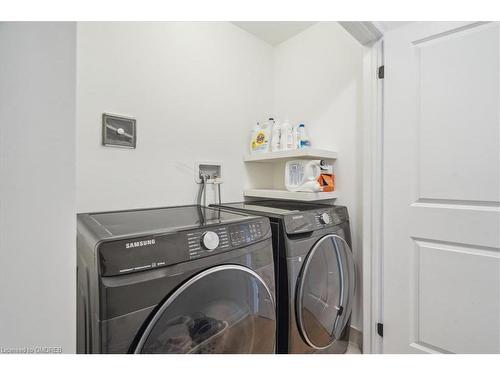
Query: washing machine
<point x="315" y="273"/>
<point x="185" y="279"/>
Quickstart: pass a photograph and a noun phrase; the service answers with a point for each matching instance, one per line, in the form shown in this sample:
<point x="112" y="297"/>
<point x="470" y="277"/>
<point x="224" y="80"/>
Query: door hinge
<point x="380" y="329"/>
<point x="381" y="72"/>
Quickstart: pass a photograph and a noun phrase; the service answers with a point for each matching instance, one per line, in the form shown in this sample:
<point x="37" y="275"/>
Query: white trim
<point x="290" y="195"/>
<point x="372" y="199"/>
<point x="365" y="32"/>
<point x="308" y="153"/>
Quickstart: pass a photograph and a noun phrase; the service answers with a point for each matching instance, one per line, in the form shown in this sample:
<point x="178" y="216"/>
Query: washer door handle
<point x="347" y="276"/>
<point x="341" y="269"/>
<point x="340" y="309"/>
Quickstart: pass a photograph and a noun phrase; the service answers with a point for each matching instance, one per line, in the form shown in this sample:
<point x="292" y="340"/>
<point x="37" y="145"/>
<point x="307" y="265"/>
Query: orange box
<point x="327" y="182"/>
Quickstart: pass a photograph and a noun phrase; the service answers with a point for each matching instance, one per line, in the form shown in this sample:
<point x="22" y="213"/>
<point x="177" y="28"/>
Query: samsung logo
<point x="297" y="217"/>
<point x="129" y="245"/>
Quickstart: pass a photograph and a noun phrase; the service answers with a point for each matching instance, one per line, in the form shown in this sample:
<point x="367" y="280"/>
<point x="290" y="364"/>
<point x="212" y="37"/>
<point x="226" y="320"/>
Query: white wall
<point x="37" y="185"/>
<point x="195" y="89"/>
<point x="318" y="81"/>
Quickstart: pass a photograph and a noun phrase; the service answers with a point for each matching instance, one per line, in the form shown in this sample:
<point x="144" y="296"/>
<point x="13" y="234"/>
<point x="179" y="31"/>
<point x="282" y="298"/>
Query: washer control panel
<point x="214" y="240"/>
<point x="137" y="254"/>
<point x="210" y="240"/>
<point x="245" y="233"/>
<point x="203" y="242"/>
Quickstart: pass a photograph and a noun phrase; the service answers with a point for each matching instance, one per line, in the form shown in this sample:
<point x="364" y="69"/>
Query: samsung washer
<point x="315" y="273"/>
<point x="175" y="280"/>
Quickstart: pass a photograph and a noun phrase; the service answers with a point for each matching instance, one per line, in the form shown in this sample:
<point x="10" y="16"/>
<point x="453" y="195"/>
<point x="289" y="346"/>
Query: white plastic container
<point x="295" y="135"/>
<point x="282" y="127"/>
<point x="275" y="135"/>
<point x="302" y="175"/>
<point x="260" y="140"/>
<point x="288" y="136"/>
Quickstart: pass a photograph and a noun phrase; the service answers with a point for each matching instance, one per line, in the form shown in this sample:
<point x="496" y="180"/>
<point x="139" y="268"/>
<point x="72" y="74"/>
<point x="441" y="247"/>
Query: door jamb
<point x="372" y="199"/>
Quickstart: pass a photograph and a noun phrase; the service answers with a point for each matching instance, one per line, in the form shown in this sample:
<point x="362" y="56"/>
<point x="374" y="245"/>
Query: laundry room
<point x="208" y="84"/>
<point x="249" y="187"/>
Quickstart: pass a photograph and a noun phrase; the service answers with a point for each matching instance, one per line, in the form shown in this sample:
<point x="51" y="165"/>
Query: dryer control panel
<point x="326" y="218"/>
<point x="309" y="221"/>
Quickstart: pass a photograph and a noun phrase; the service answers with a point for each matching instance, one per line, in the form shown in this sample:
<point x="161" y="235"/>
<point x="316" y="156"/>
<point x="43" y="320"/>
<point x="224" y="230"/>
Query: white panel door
<point x="441" y="199"/>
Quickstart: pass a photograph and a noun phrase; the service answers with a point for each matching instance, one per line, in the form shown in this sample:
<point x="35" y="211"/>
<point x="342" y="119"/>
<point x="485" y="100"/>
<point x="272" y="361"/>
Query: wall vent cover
<point x="118" y="131"/>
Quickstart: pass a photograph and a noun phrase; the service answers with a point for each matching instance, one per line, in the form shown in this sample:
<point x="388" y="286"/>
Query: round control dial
<point x="325" y="218"/>
<point x="210" y="240"/>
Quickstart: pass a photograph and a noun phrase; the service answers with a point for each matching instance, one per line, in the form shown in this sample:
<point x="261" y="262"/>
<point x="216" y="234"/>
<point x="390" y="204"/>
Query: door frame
<point x="372" y="198"/>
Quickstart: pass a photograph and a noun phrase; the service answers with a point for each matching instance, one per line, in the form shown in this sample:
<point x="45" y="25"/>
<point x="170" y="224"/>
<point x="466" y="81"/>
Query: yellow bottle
<point x="260" y="139"/>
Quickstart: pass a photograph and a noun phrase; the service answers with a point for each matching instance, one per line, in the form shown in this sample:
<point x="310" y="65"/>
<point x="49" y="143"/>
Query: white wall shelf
<point x="290" y="195"/>
<point x="310" y="153"/>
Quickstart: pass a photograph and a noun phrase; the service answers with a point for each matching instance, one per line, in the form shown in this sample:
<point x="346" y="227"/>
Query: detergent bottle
<point x="260" y="140"/>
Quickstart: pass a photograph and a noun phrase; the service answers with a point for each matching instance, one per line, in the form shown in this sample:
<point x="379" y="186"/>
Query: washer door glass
<point x="225" y="309"/>
<point x="325" y="291"/>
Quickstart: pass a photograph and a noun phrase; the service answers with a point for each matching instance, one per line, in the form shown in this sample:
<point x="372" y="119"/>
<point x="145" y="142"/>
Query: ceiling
<point x="274" y="32"/>
<point x="384" y="26"/>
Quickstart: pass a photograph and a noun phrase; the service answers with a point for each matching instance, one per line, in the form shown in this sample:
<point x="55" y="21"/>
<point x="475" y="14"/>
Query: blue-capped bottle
<point x="303" y="139"/>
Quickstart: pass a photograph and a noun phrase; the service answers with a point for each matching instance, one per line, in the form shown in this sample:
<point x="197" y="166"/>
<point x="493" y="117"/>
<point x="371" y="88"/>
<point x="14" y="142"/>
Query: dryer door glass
<point x="225" y="309"/>
<point x="325" y="289"/>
